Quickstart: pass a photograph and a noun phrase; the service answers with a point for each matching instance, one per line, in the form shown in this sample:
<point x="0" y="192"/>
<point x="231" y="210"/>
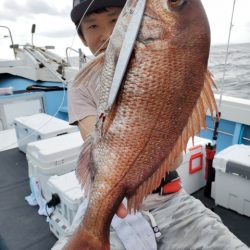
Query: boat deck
<point x="8" y="139"/>
<point x="20" y="225"/>
<point x="22" y="228"/>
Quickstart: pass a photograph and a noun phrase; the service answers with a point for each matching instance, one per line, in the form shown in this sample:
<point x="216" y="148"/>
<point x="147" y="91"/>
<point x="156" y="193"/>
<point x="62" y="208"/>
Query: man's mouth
<point x="102" y="50"/>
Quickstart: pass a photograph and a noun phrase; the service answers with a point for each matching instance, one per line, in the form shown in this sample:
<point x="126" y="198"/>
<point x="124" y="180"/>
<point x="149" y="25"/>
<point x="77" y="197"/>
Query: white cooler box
<point x="39" y="126"/>
<point x="71" y="196"/>
<point x="232" y="178"/>
<point x="192" y="169"/>
<point x="53" y="156"/>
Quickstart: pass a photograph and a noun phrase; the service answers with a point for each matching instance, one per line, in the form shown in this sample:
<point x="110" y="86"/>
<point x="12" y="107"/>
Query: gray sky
<point x="54" y="26"/>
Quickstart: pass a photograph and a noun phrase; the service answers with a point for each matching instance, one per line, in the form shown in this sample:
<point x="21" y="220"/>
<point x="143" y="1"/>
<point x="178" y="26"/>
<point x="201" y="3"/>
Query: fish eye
<point x="176" y="3"/>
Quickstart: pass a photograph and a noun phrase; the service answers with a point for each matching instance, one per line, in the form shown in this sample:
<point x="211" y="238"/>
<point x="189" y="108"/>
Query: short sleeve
<point x="81" y="103"/>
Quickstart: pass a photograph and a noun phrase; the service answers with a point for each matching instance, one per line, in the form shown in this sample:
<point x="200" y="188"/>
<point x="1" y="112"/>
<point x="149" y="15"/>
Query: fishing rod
<point x="215" y="133"/>
<point x="227" y="53"/>
<point x="211" y="148"/>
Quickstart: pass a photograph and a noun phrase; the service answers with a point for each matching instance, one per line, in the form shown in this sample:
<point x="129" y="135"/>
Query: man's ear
<point x="80" y="34"/>
<point x="83" y="40"/>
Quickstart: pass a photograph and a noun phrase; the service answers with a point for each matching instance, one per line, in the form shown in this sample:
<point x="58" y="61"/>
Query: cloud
<point x="29" y="8"/>
<point x="68" y="32"/>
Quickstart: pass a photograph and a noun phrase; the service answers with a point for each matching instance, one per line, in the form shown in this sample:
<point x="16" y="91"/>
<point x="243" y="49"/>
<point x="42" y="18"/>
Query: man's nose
<point x="107" y="31"/>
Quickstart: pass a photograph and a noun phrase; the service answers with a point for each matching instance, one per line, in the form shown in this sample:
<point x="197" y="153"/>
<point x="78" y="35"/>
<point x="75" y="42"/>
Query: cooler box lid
<point x="234" y="160"/>
<point x="55" y="148"/>
<point x="45" y="125"/>
<point x="197" y="140"/>
<point x="67" y="187"/>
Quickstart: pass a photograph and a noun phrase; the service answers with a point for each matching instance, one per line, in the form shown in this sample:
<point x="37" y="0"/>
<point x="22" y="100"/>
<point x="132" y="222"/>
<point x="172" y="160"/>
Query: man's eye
<point x="92" y="26"/>
<point x="114" y="20"/>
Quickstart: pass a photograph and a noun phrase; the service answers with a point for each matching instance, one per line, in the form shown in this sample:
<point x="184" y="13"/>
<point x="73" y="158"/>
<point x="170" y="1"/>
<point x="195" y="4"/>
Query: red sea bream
<point x="162" y="102"/>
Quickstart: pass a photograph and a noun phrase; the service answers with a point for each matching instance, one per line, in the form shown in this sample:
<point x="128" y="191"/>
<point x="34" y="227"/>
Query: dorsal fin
<point x="196" y="121"/>
<point x="91" y="71"/>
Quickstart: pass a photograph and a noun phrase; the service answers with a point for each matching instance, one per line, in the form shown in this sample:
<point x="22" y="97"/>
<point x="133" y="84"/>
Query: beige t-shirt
<point x="82" y="101"/>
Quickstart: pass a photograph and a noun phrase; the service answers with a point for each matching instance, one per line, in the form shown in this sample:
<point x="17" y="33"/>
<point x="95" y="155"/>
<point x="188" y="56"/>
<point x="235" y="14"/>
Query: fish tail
<point x="86" y="240"/>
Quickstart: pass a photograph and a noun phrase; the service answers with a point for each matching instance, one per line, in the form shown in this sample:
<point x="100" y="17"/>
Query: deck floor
<point x="238" y="224"/>
<point x="8" y="139"/>
<point x="22" y="228"/>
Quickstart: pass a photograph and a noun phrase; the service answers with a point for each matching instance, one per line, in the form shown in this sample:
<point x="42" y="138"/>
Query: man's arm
<point x="86" y="125"/>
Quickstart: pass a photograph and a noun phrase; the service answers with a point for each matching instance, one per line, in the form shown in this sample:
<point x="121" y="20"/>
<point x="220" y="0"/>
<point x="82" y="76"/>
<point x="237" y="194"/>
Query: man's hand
<point x="122" y="211"/>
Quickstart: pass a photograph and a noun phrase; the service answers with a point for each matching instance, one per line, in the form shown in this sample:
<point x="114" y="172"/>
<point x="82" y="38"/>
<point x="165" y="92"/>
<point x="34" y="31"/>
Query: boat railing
<point x="81" y="56"/>
<point x="11" y="38"/>
<point x="234" y="125"/>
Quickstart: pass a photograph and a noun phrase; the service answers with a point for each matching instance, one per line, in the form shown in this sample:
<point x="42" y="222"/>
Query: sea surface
<point x="237" y="69"/>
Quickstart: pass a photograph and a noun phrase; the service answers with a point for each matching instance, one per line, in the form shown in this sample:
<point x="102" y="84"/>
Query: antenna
<point x="33" y="30"/>
<point x="228" y="43"/>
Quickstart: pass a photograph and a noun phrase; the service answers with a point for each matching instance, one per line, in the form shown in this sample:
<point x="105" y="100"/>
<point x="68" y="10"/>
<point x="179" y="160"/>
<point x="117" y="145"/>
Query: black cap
<point x="81" y="6"/>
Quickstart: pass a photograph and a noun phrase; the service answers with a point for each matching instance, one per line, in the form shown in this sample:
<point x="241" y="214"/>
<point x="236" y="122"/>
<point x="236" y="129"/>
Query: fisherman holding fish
<point x="178" y="220"/>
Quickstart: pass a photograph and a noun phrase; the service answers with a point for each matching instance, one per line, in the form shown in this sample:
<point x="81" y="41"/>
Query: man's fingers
<point x="122" y="211"/>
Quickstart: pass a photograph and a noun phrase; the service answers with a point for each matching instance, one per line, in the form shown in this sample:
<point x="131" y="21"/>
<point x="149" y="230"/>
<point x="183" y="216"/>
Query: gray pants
<point x="185" y="223"/>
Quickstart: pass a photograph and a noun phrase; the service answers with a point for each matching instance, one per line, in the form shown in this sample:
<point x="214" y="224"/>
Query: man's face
<point x="97" y="28"/>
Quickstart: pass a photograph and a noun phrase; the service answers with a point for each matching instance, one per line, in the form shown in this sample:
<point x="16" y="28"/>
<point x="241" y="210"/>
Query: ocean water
<point x="237" y="69"/>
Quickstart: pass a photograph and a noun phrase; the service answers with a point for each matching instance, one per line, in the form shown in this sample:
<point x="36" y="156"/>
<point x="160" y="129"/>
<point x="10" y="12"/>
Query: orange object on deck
<point x="171" y="187"/>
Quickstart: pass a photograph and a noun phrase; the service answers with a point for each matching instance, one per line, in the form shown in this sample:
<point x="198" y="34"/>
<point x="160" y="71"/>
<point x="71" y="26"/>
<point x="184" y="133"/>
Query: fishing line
<point x="226" y="57"/>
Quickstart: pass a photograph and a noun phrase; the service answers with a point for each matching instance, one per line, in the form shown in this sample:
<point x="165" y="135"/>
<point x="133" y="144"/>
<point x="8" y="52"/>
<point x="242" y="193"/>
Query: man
<point x="183" y="222"/>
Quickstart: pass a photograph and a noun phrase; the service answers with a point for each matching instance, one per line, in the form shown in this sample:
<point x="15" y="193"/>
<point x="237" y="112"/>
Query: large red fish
<point x="162" y="102"/>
